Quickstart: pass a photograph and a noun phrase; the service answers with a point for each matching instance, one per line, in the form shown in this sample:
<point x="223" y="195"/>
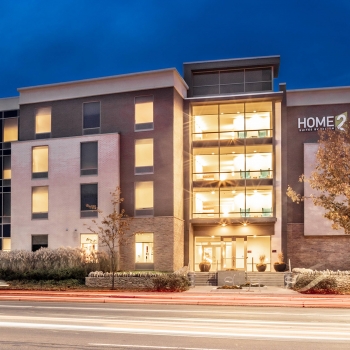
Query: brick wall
<point x="64" y="224"/>
<point x="320" y="253"/>
<point x="167" y="246"/>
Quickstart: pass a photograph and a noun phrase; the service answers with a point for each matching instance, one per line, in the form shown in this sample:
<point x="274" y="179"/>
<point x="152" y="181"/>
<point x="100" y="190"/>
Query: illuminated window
<point x="91" y="116"/>
<point x="39" y="241"/>
<point x="10" y="132"/>
<point x="144" y="248"/>
<point x="6" y="244"/>
<point x="40" y="202"/>
<point x="43" y="122"/>
<point x="40" y="162"/>
<point x="144" y="198"/>
<point x="88" y="158"/>
<point x="144" y="113"/>
<point x="88" y="197"/>
<point x="144" y="156"/>
<point x="6" y="175"/>
<point x="89" y="242"/>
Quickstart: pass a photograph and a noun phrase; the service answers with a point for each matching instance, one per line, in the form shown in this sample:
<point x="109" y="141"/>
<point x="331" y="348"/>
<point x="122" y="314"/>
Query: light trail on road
<point x="321" y="326"/>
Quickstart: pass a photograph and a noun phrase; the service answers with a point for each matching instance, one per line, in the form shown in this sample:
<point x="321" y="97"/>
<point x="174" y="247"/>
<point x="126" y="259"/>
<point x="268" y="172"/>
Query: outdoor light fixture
<point x="244" y="223"/>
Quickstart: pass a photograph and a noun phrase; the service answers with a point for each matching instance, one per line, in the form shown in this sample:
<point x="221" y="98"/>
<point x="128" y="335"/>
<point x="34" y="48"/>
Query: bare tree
<point x="331" y="178"/>
<point x="112" y="229"/>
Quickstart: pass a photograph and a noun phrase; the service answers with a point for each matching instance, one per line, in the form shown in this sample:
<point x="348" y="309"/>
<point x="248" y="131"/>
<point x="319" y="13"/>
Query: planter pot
<point x="261" y="268"/>
<point x="280" y="267"/>
<point x="204" y="266"/>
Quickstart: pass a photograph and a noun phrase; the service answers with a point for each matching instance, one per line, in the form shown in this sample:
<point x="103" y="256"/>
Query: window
<point x="144" y="156"/>
<point x="6" y="207"/>
<point x="39" y="241"/>
<point x="88" y="158"/>
<point x="89" y="242"/>
<point x="144" y="248"/>
<point x="40" y="162"/>
<point x="6" y="174"/>
<point x="232" y="81"/>
<point x="6" y="244"/>
<point x="10" y="131"/>
<point x="40" y="202"/>
<point x="144" y="198"/>
<point x="88" y="197"/>
<point x="91" y="117"/>
<point x="43" y="123"/>
<point x="144" y="113"/>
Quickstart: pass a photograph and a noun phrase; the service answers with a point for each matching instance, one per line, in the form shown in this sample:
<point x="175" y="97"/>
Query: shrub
<point x="50" y="264"/>
<point x="171" y="283"/>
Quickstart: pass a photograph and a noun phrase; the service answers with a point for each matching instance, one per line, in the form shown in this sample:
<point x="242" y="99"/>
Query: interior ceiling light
<point x="212" y="192"/>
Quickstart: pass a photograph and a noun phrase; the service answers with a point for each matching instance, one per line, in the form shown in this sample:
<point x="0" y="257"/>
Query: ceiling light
<point x="212" y="192"/>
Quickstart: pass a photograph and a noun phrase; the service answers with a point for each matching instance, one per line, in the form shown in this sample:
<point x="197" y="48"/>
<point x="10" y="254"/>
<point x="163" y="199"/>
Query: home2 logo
<point x="322" y="123"/>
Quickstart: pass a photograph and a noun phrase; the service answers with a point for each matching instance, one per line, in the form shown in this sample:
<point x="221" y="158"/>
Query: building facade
<point x="203" y="162"/>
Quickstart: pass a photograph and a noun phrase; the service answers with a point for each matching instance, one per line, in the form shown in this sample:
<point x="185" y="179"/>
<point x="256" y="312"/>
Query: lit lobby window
<point x="40" y="162"/>
<point x="43" y="122"/>
<point x="144" y="156"/>
<point x="10" y="131"/>
<point x="6" y="244"/>
<point x="89" y="242"/>
<point x="144" y="248"/>
<point x="144" y="198"/>
<point x="40" y="202"/>
<point x="143" y="113"/>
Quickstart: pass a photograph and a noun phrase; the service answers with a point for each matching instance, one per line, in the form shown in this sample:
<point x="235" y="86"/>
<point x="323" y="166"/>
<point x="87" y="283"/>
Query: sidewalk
<point x="269" y="296"/>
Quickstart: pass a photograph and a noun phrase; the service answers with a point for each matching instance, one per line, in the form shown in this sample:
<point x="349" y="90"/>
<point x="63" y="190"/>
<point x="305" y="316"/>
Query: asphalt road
<point x="45" y="325"/>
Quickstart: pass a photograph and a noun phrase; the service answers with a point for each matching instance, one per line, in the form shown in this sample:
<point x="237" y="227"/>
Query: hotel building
<point x="203" y="161"/>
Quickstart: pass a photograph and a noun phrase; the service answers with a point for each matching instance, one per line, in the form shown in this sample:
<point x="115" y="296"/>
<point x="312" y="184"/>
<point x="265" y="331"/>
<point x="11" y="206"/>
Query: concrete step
<point x="205" y="278"/>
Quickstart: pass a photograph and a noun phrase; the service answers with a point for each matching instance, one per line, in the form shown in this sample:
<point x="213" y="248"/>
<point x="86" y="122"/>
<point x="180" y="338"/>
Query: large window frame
<point x="232" y="81"/>
<point x="233" y="159"/>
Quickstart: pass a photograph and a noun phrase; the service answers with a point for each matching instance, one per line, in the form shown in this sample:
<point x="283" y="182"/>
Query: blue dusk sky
<point x="51" y="41"/>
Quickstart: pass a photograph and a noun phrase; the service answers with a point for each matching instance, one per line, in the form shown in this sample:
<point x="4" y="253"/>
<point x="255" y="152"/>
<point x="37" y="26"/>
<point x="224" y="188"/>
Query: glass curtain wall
<point x="232" y="160"/>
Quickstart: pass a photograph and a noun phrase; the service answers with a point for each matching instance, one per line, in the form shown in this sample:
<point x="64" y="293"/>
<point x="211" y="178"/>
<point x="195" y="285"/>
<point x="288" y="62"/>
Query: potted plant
<point x="280" y="265"/>
<point x="204" y="266"/>
<point x="261" y="266"/>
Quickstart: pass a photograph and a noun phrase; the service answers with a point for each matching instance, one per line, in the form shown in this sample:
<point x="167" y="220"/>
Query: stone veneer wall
<point x="141" y="283"/>
<point x="317" y="252"/>
<point x="167" y="247"/>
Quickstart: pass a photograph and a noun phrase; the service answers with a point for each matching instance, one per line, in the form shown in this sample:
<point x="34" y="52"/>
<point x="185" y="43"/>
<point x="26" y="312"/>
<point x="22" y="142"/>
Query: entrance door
<point x="240" y="253"/>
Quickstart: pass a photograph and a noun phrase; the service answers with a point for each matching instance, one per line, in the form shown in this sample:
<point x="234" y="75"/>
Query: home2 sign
<point x="322" y="123"/>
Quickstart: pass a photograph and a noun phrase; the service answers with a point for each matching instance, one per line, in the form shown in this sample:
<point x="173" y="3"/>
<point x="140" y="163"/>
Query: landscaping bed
<point x="309" y="281"/>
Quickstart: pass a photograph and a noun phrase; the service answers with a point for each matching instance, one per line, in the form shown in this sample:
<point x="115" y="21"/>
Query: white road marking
<point x="254" y="313"/>
<point x="266" y="333"/>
